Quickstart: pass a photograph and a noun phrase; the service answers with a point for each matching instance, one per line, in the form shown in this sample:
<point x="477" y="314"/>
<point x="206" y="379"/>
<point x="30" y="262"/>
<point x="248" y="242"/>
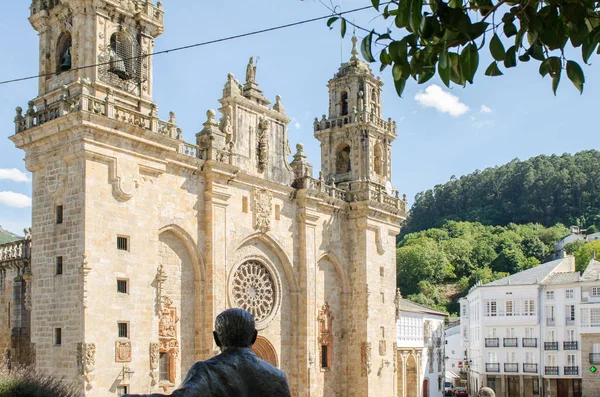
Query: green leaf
<point x="575" y="74"/>
<point x="400" y="84"/>
<point x="510" y="29"/>
<point x="589" y="44"/>
<point x="477" y="29"/>
<point x="524" y="58"/>
<point x="343" y="27"/>
<point x="555" y="82"/>
<point x="331" y="20"/>
<point x="365" y="48"/>
<point x="456" y="75"/>
<point x="402" y="19"/>
<point x="425" y="77"/>
<point x="444" y="68"/>
<point x="397" y="50"/>
<point x="469" y="61"/>
<point x="416" y="7"/>
<point x="510" y="61"/>
<point x="536" y="52"/>
<point x="397" y="71"/>
<point x="497" y="48"/>
<point x="427" y="28"/>
<point x="375" y="4"/>
<point x="384" y="58"/>
<point x="493" y="70"/>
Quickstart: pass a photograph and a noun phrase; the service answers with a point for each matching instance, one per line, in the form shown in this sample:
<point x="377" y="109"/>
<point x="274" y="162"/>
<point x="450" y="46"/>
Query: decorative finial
<point x="210" y="116"/>
<point x="354" y="46"/>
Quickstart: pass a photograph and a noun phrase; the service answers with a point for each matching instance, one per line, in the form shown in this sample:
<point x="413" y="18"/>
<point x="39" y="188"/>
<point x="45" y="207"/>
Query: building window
<point x="491" y="382"/>
<point x="58" y="336"/>
<point x="569" y="293"/>
<point x="596" y="291"/>
<point x="59" y="265"/>
<point x="595" y="317"/>
<point x="123" y="243"/>
<point x="124" y="56"/>
<point x="123" y="330"/>
<point x="550" y="295"/>
<point x="122" y="286"/>
<point x="59" y="214"/>
<point x="378" y="159"/>
<point x="509" y="308"/>
<point x="529" y="307"/>
<point x="570" y="313"/>
<point x="536" y="387"/>
<point x="324" y="356"/>
<point x="63" y="52"/>
<point x="382" y="271"/>
<point x="121" y="390"/>
<point x="164" y="366"/>
<point x="493" y="308"/>
<point x="571" y="362"/>
<point x="344" y="99"/>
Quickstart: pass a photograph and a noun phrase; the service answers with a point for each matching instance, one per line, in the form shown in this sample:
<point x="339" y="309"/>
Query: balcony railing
<point x="530" y="368"/>
<point x="492" y="342"/>
<point x="550" y="345"/>
<point x="594" y="358"/>
<point x="551" y="322"/>
<point x="511" y="342"/>
<point x="492" y="367"/>
<point x="571" y="370"/>
<point x="569" y="321"/>
<point x="529" y="342"/>
<point x="570" y="345"/>
<point x="551" y="371"/>
<point x="511" y="367"/>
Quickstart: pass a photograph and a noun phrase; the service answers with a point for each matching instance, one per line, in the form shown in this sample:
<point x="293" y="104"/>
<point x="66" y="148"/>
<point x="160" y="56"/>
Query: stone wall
<point x="590" y="381"/>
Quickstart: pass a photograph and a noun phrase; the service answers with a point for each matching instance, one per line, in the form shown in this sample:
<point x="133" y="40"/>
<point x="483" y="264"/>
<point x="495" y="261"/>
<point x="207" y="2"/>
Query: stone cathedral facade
<point x="139" y="239"/>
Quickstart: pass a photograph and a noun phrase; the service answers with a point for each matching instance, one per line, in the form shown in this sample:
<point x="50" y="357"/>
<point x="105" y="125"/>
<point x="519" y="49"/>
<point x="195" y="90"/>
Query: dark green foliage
<point x="25" y="382"/>
<point x="544" y="189"/>
<point x="463" y="253"/>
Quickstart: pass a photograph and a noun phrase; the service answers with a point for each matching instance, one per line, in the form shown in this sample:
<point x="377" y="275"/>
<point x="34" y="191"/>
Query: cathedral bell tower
<point x="355" y="140"/>
<point x="103" y="44"/>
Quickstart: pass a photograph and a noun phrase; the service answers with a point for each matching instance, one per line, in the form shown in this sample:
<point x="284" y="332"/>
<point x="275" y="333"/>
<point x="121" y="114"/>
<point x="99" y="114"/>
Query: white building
<point x="420" y="340"/>
<point x="455" y="355"/>
<point x="531" y="334"/>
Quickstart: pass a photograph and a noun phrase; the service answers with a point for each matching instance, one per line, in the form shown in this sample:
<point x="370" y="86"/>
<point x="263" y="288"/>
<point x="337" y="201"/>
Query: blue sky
<point x="441" y="132"/>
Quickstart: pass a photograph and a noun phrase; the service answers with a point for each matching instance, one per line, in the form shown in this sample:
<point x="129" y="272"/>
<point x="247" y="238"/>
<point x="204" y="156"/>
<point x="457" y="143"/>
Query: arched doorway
<point x="412" y="385"/>
<point x="425" y="387"/>
<point x="265" y="351"/>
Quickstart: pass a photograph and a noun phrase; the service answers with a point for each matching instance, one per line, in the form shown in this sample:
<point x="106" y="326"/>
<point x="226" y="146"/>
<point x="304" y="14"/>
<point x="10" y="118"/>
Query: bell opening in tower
<point x="342" y="159"/>
<point x="63" y="50"/>
<point x="344" y="99"/>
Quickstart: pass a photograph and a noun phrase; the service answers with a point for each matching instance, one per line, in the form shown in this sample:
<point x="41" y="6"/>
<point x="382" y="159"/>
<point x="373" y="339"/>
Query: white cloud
<point x="13" y="174"/>
<point x="17" y="200"/>
<point x="485" y="109"/>
<point x="442" y="101"/>
<point x="297" y="125"/>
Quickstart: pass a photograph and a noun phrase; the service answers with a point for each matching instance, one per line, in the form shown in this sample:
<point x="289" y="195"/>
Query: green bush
<point x="25" y="382"/>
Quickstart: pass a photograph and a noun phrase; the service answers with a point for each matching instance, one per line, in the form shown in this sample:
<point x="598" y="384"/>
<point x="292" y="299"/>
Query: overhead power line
<point x="238" y="36"/>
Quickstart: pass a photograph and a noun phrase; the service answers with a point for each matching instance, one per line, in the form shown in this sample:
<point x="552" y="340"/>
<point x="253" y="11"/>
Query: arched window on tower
<point x="378" y="159"/>
<point x="124" y="56"/>
<point x="344" y="99"/>
<point x="63" y="52"/>
<point x="342" y="159"/>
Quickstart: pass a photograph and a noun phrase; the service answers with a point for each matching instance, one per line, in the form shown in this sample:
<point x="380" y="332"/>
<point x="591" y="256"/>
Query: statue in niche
<point x="237" y="371"/>
<point x="342" y="161"/>
<point x="251" y="71"/>
<point x="262" y="150"/>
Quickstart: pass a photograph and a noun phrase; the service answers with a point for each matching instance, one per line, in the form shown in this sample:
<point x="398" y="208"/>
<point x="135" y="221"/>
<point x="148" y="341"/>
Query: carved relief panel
<point x="263" y="207"/>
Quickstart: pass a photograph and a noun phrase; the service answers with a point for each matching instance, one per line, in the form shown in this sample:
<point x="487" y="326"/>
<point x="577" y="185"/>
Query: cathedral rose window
<point x="253" y="289"/>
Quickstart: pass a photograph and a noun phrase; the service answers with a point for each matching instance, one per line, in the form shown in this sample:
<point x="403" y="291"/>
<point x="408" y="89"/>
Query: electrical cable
<point x="186" y="47"/>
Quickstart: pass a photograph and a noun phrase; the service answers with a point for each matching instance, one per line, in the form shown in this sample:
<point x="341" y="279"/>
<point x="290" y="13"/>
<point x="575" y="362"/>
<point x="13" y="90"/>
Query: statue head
<point x="235" y="328"/>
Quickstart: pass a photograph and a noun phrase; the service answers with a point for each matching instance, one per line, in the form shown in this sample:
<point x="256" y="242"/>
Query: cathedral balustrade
<point x="355" y="117"/>
<point x="65" y="104"/>
<point x="15" y="251"/>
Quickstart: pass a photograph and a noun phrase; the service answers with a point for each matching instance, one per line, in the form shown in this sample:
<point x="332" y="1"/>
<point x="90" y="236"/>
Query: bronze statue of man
<point x="237" y="371"/>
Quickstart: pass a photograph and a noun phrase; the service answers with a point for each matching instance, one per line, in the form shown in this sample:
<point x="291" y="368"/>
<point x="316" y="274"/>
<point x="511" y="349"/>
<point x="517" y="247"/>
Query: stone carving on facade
<point x="56" y="181"/>
<point x="262" y="146"/>
<point x="85" y="270"/>
<point x="278" y="105"/>
<point x="395" y="356"/>
<point x="365" y="358"/>
<point x="168" y="341"/>
<point x="263" y="208"/>
<point x="253" y="289"/>
<point x="343" y="161"/>
<point x="154" y="362"/>
<point x="251" y="71"/>
<point x="382" y="347"/>
<point x="123" y="351"/>
<point x="86" y="362"/>
<point x="398" y="302"/>
<point x="226" y="126"/>
<point x="325" y="320"/>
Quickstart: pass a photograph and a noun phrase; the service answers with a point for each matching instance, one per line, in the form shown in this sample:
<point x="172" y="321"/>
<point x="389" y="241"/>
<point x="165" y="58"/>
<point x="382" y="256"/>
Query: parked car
<point x="461" y="392"/>
<point x="448" y="389"/>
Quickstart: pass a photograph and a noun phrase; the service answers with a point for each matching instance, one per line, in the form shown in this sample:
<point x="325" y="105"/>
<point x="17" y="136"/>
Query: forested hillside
<point x="438" y="265"/>
<point x="544" y="189"/>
